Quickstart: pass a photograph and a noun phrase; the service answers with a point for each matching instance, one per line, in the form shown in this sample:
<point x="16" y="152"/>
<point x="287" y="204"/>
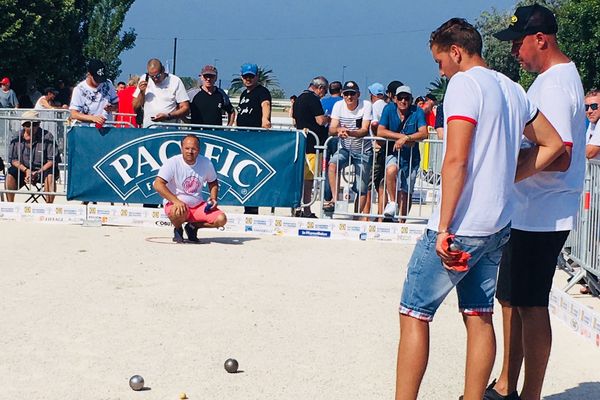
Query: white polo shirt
<point x="162" y="98"/>
<point x="499" y="109"/>
<point x="549" y="201"/>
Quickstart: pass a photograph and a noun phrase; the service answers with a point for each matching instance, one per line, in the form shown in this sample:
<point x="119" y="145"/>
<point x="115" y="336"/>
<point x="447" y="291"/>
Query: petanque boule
<point x="136" y="382"/>
<point x="231" y="365"/>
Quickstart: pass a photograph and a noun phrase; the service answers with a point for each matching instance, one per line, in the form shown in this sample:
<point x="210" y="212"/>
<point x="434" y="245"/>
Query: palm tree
<point x="265" y="78"/>
<point x="438" y="88"/>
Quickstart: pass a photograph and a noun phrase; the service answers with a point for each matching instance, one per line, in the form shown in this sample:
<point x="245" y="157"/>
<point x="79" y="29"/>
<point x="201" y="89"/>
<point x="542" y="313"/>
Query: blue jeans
<point x="362" y="167"/>
<point x="428" y="283"/>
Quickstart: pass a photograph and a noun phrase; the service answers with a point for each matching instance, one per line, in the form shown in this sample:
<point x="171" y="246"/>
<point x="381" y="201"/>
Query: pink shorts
<point x="197" y="214"/>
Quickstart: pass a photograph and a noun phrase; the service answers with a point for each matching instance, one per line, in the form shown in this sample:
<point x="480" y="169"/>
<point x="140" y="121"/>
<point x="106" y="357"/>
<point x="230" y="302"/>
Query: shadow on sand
<point x="586" y="390"/>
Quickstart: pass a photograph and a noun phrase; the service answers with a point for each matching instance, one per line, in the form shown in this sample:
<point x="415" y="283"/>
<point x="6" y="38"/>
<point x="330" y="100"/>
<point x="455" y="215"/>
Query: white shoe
<point x="390" y="209"/>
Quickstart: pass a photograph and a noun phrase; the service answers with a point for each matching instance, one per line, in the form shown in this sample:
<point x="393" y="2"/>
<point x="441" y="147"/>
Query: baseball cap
<point x="350" y="86"/>
<point x="392" y="86"/>
<point x="209" y="70"/>
<point x="376" y="89"/>
<point x="431" y="96"/>
<point x="98" y="70"/>
<point x="529" y="20"/>
<point x="5" y="81"/>
<point x="50" y="89"/>
<point x="249" y="69"/>
<point x="403" y="89"/>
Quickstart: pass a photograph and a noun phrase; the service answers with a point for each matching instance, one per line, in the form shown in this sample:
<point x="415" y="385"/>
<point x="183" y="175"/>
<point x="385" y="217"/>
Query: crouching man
<point x="180" y="181"/>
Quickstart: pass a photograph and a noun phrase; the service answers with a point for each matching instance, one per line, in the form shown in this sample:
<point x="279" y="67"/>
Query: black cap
<point x="431" y="96"/>
<point x="350" y="86"/>
<point x="98" y="70"/>
<point x="392" y="86"/>
<point x="529" y="20"/>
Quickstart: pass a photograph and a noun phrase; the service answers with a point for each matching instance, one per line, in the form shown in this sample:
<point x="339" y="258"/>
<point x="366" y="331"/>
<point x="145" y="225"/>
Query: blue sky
<point x="377" y="40"/>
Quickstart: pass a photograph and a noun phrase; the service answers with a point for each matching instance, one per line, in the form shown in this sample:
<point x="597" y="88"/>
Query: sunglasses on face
<point x="248" y="76"/>
<point x="401" y="98"/>
<point x="155" y="77"/>
<point x="593" y="106"/>
<point x="349" y="94"/>
<point x="207" y="76"/>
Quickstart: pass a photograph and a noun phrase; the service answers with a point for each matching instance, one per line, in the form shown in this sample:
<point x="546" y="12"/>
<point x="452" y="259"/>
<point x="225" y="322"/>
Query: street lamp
<point x="343" y="72"/>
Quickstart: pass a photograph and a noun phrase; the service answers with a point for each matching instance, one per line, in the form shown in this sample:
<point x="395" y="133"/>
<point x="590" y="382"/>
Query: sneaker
<point x="178" y="235"/>
<point x="390" y="209"/>
<point x="491" y="394"/>
<point x="192" y="232"/>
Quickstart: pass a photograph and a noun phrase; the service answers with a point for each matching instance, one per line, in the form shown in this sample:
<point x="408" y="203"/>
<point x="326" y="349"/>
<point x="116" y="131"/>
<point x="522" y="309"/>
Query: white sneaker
<point x="390" y="209"/>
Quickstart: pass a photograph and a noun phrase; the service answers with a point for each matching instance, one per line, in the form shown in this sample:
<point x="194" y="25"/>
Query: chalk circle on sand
<point x="169" y="240"/>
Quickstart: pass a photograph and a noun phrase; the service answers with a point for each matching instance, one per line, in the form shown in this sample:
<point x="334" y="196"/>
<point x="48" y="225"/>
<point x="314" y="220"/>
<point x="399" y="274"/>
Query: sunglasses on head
<point x="248" y="76"/>
<point x="349" y="94"/>
<point x="593" y="106"/>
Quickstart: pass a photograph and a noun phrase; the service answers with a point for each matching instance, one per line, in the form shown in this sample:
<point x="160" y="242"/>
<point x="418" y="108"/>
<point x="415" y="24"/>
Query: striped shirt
<point x="353" y="120"/>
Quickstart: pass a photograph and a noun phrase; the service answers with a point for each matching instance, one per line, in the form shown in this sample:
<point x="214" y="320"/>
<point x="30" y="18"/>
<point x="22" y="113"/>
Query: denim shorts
<point x="407" y="176"/>
<point x="362" y="167"/>
<point x="428" y="283"/>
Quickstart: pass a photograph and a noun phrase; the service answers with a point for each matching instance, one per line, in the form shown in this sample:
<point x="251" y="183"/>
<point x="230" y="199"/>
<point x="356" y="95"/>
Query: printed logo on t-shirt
<point x="191" y="185"/>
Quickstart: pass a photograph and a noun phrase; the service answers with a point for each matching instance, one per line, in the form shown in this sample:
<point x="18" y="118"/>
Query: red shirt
<point x="126" y="106"/>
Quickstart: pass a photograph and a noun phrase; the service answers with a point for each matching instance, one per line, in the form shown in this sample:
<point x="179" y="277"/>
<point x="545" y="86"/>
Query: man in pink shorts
<point x="180" y="181"/>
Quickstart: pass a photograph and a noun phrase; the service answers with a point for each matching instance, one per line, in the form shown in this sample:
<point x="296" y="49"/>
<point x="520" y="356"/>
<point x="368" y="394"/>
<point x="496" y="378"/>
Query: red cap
<point x="5" y="81"/>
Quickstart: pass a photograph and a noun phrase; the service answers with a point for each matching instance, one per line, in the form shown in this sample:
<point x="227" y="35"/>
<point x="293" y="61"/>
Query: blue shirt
<point x="411" y="124"/>
<point x="328" y="102"/>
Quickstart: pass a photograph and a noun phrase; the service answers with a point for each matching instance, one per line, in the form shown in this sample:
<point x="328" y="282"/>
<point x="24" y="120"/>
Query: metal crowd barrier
<point x="52" y="121"/>
<point x="424" y="195"/>
<point x="581" y="252"/>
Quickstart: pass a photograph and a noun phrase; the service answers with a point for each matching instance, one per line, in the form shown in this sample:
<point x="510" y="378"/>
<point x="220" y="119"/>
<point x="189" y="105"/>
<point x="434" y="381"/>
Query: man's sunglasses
<point x="593" y="106"/>
<point x="405" y="98"/>
<point x="248" y="76"/>
<point x="349" y="94"/>
<point x="155" y="77"/>
<point x="209" y="76"/>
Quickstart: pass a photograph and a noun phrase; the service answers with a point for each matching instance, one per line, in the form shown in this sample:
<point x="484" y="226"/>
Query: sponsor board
<point x="314" y="233"/>
<point x="580" y="319"/>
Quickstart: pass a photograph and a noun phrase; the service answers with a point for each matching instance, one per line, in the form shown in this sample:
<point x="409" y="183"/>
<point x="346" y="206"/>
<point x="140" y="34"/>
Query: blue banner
<point x="254" y="168"/>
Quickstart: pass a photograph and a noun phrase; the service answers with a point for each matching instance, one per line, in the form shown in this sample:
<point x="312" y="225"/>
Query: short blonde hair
<point x="133" y="80"/>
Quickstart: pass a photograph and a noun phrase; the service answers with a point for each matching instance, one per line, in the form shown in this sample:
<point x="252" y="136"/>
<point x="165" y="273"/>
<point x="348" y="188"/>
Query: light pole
<point x="215" y="64"/>
<point x="343" y="72"/>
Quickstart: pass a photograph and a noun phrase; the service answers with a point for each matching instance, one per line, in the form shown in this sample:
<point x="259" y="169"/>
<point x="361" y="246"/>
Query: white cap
<point x="403" y="89"/>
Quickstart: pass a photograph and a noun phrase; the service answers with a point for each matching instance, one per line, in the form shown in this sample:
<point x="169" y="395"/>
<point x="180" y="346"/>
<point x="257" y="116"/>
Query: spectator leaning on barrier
<point x="350" y="122"/>
<point x="484" y="110"/>
<point x="47" y="100"/>
<point x="8" y="98"/>
<point x="180" y="181"/>
<point x="161" y="95"/>
<point x="405" y="125"/>
<point x="94" y="98"/>
<point x="592" y="149"/>
<point x="208" y="102"/>
<point x="33" y="158"/>
<point x="377" y="92"/>
<point x="547" y="204"/>
<point x="308" y="114"/>
<point x="126" y="102"/>
<point x="254" y="109"/>
<point x="335" y="95"/>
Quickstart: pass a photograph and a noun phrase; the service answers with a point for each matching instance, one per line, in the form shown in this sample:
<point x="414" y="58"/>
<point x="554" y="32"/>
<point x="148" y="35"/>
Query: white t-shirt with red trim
<point x="549" y="201"/>
<point x="186" y="181"/>
<point x="499" y="109"/>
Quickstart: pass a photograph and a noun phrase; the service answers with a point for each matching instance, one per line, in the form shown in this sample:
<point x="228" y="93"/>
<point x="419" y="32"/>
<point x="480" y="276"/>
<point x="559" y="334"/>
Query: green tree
<point x="104" y="38"/>
<point x="277" y="93"/>
<point x="189" y="82"/>
<point x="265" y="78"/>
<point x="438" y="88"/>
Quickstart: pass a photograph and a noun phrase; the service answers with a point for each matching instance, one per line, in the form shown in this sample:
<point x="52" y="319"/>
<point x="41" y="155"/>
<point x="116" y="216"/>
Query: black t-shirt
<point x="306" y="107"/>
<point x="249" y="109"/>
<point x="207" y="109"/>
<point x="439" y="117"/>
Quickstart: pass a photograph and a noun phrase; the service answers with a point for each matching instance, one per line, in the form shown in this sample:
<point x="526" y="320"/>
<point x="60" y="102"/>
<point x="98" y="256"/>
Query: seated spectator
<point x="404" y="124"/>
<point x="180" y="181"/>
<point x="33" y="158"/>
<point x="592" y="148"/>
<point x="46" y="102"/>
<point x="126" y="111"/>
<point x="350" y="122"/>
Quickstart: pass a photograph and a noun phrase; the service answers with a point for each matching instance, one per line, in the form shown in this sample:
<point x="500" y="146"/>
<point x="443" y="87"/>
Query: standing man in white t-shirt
<point x="377" y="92"/>
<point x="547" y="204"/>
<point x="180" y="181"/>
<point x="162" y="95"/>
<point x="592" y="112"/>
<point x="484" y="110"/>
<point x="94" y="98"/>
<point x="350" y="122"/>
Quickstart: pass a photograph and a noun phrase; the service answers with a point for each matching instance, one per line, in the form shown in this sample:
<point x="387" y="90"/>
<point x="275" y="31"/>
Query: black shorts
<point x="20" y="175"/>
<point x="527" y="267"/>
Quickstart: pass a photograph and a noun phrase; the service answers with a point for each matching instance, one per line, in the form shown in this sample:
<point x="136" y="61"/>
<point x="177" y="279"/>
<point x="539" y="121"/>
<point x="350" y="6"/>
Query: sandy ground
<point x="83" y="309"/>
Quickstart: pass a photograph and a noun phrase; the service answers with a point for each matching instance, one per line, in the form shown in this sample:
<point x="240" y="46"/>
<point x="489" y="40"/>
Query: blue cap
<point x="249" y="69"/>
<point x="376" y="89"/>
